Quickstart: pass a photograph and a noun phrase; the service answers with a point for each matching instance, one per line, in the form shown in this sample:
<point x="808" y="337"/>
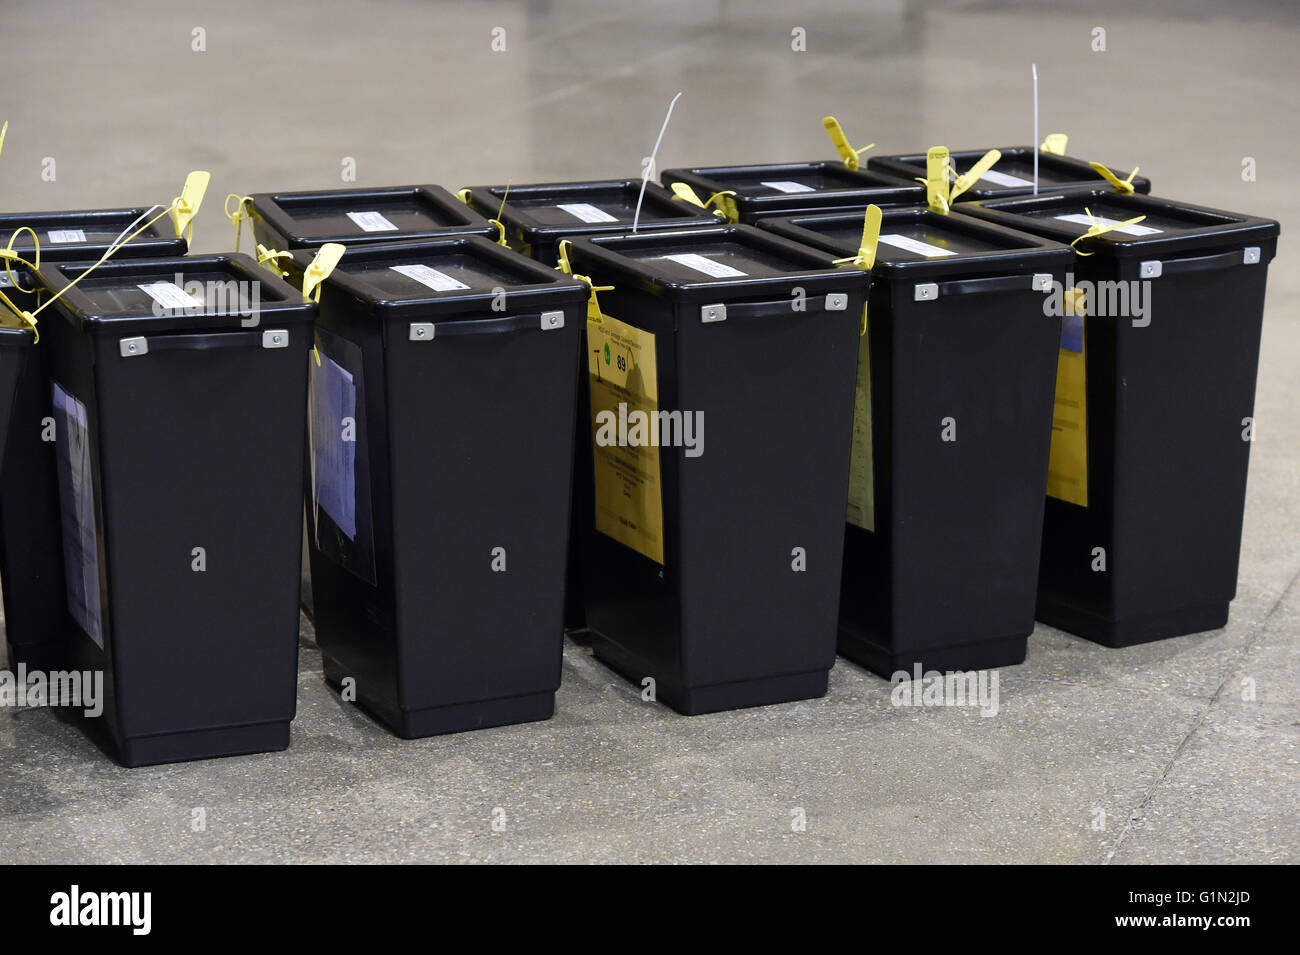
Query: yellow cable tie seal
<point x="9" y="256"/>
<point x="266" y="258"/>
<point x="240" y="215"/>
<point x="686" y="194"/>
<point x="866" y="256"/>
<point x="501" y="226"/>
<point x="940" y="194"/>
<point x="841" y="142"/>
<point x="3" y="129"/>
<point x="1123" y="186"/>
<point x="320" y="268"/>
<point x="723" y="203"/>
<point x="464" y="195"/>
<point x="1054" y="143"/>
<point x="973" y="174"/>
<point x="187" y="205"/>
<point x="937" y="164"/>
<point x="1097" y="229"/>
<point x="594" y="314"/>
<point x="563" y="263"/>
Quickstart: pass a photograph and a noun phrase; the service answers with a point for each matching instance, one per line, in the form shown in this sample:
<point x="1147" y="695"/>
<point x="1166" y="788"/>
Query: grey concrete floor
<point x="1158" y="737"/>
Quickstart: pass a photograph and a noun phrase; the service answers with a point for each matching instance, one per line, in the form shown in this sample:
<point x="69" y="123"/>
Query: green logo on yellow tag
<point x="607" y="353"/>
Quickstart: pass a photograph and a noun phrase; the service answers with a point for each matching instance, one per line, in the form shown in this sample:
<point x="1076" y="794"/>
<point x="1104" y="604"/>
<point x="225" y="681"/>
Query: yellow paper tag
<point x="1067" y="466"/>
<point x="1054" y="143"/>
<point x="623" y="370"/>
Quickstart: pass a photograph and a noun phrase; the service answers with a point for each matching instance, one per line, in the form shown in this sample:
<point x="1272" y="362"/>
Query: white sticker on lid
<point x="586" y="212"/>
<point x="67" y="235"/>
<point x="371" y="222"/>
<point x="1002" y="179"/>
<point x="1081" y="218"/>
<point x="908" y="244"/>
<point x="430" y="278"/>
<point x="787" y="185"/>
<point x="701" y="264"/>
<point x="170" y="295"/>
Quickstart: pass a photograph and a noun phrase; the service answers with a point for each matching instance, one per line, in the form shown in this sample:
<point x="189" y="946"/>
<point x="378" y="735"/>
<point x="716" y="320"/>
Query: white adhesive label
<point x="170" y="295"/>
<point x="430" y="278"/>
<point x="908" y="244"/>
<point x="787" y="185"/>
<point x="586" y="212"/>
<point x="1002" y="179"/>
<point x="1080" y="218"/>
<point x="77" y="513"/>
<point x="66" y="235"/>
<point x="371" y="222"/>
<point x="701" y="264"/>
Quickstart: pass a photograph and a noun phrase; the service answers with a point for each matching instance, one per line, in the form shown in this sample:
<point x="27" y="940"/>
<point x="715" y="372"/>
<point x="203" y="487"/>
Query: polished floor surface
<point x="1143" y="755"/>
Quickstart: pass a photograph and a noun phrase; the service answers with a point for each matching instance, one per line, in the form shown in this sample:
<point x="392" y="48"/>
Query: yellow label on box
<point x="624" y="380"/>
<point x="862" y="491"/>
<point x="1067" y="466"/>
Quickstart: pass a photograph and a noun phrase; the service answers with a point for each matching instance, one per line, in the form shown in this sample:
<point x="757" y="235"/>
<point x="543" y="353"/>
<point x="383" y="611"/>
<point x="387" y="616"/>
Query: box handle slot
<point x="545" y="321"/>
<point x="206" y="341"/>
<point x="1038" y="282"/>
<point x="1206" y="263"/>
<point x="720" y="312"/>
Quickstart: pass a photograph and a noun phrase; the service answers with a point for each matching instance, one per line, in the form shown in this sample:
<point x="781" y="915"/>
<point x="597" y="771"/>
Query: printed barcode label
<point x="430" y="278"/>
<point x="586" y="212"/>
<point x="701" y="264"/>
<point x="908" y="244"/>
<point x="787" y="185"/>
<point x="1081" y="218"/>
<point x="371" y="222"/>
<point x="169" y="295"/>
<point x="67" y="235"/>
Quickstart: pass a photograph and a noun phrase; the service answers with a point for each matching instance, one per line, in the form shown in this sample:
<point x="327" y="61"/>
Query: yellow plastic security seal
<point x="594" y="313"/>
<point x="241" y="214"/>
<point x="866" y="257"/>
<point x="841" y="142"/>
<point x="1054" y="143"/>
<point x="723" y="203"/>
<point x="1123" y="186"/>
<point x="186" y="206"/>
<point x="320" y="268"/>
<point x="1098" y="228"/>
<point x="939" y="194"/>
<point x="266" y="258"/>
